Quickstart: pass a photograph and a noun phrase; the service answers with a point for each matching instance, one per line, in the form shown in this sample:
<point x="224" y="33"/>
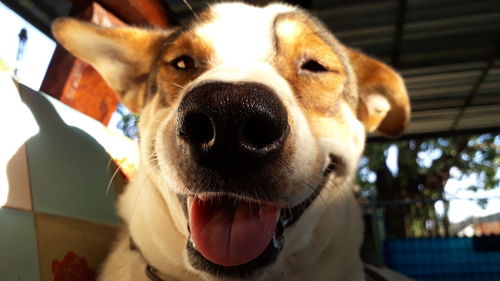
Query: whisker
<point x="109" y="162"/>
<point x="290" y="212"/>
<point x="313" y="188"/>
<point x="333" y="166"/>
<point x="137" y="197"/>
<point x="112" y="178"/>
<point x="152" y="159"/>
<point x="191" y="9"/>
<point x="180" y="86"/>
<point x="318" y="194"/>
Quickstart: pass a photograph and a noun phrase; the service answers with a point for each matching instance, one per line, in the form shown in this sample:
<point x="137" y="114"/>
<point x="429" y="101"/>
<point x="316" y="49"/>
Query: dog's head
<point x="246" y="115"/>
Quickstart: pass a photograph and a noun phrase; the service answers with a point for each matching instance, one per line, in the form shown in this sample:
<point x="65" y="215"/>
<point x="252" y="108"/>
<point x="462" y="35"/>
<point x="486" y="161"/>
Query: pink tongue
<point x="228" y="233"/>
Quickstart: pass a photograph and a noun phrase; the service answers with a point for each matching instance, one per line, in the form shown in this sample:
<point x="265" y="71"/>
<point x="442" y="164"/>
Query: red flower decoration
<point x="72" y="268"/>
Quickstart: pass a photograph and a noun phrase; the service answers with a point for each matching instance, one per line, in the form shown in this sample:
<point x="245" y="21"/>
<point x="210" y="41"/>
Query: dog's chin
<point x="237" y="237"/>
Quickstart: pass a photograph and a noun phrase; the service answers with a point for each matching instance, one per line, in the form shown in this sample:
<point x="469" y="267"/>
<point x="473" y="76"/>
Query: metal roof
<point x="448" y="51"/>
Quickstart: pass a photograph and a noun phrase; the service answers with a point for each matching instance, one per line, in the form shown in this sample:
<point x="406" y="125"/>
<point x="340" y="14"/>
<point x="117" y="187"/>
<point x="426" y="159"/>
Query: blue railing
<point x="446" y="259"/>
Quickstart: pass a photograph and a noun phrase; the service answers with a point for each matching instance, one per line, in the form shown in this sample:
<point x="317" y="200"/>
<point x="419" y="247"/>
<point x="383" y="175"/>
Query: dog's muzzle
<point x="232" y="128"/>
<point x="231" y="143"/>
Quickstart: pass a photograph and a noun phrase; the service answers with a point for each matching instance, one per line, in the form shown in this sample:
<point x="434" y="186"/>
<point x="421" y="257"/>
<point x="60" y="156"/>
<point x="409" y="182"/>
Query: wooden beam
<point x="398" y="33"/>
<point x="477" y="86"/>
<point x="76" y="83"/>
<point x="436" y="134"/>
<point x="139" y="12"/>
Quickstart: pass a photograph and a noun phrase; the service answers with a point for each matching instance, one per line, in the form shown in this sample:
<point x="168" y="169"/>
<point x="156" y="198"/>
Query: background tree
<point x="423" y="167"/>
<point x="128" y="122"/>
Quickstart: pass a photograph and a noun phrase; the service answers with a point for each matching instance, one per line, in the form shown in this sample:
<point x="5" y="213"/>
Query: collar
<point x="370" y="275"/>
<point x="287" y="219"/>
<point x="152" y="273"/>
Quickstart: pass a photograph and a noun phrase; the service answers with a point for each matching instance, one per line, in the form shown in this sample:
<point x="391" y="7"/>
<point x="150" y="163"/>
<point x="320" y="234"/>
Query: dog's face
<point x="246" y="115"/>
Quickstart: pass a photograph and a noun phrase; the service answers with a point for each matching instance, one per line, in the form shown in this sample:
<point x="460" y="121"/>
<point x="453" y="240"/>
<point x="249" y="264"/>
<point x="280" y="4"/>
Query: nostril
<point x="197" y="128"/>
<point x="261" y="131"/>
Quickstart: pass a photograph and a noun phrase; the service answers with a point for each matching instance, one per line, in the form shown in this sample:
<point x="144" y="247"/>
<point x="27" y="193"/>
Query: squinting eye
<point x="184" y="62"/>
<point x="313" y="66"/>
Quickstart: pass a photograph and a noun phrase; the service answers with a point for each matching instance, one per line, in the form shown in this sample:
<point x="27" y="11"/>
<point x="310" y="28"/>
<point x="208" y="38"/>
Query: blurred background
<point x="431" y="198"/>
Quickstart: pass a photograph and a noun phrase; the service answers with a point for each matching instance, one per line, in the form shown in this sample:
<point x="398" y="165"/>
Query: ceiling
<point x="448" y="51"/>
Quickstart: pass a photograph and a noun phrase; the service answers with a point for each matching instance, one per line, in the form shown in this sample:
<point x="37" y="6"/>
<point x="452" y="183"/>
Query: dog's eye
<point x="184" y="62"/>
<point x="313" y="66"/>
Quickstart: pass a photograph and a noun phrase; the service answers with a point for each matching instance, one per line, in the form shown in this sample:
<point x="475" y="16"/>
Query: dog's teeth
<point x="190" y="200"/>
<point x="192" y="241"/>
<point x="205" y="196"/>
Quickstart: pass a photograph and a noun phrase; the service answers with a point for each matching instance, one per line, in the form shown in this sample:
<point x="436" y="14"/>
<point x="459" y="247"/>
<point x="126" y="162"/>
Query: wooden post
<point x="139" y="12"/>
<point x="76" y="83"/>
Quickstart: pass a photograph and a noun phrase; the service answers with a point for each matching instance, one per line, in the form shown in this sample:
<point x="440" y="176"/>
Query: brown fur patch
<point x="171" y="80"/>
<point x="297" y="42"/>
<point x="376" y="77"/>
<point x="123" y="56"/>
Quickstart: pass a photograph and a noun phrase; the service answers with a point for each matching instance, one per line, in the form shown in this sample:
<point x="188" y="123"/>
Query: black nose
<point x="232" y="127"/>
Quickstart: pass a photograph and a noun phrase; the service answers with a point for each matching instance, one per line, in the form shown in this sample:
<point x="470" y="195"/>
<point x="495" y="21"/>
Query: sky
<point x="38" y="53"/>
<point x="39" y="50"/>
<point x="462" y="203"/>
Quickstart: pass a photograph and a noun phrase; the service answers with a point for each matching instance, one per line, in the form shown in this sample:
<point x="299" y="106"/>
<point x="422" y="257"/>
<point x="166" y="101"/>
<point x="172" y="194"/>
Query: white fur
<point x="377" y="105"/>
<point x="322" y="245"/>
<point x="236" y="44"/>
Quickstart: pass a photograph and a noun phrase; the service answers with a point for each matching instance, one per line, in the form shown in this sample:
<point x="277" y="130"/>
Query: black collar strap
<point x="151" y="272"/>
<point x="287" y="218"/>
<point x="372" y="275"/>
<point x="290" y="215"/>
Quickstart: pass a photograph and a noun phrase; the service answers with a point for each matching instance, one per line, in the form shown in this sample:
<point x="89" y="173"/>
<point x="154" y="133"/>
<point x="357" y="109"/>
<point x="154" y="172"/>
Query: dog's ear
<point x="123" y="56"/>
<point x="384" y="104"/>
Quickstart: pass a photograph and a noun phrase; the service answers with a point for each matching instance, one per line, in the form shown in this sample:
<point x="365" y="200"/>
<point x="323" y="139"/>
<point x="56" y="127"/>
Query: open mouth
<point x="234" y="237"/>
<point x="230" y="231"/>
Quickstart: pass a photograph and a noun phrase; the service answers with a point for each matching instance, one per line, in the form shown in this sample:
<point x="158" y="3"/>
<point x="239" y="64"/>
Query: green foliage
<point x="128" y="123"/>
<point x="423" y="169"/>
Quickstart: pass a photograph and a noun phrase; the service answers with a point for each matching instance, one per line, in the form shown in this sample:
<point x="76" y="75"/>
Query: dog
<point x="252" y="122"/>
